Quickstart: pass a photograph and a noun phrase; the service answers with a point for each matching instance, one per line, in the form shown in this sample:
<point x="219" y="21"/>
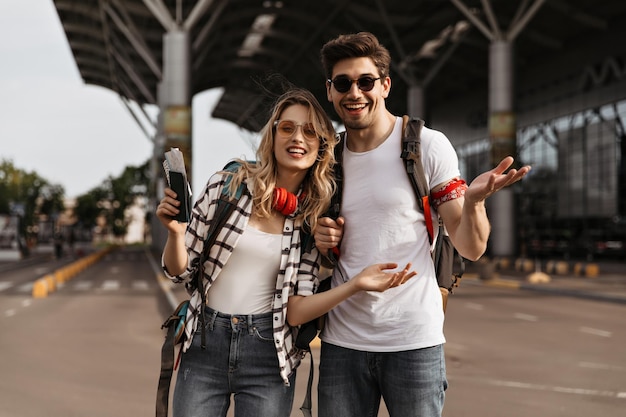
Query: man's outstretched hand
<point x="492" y="181"/>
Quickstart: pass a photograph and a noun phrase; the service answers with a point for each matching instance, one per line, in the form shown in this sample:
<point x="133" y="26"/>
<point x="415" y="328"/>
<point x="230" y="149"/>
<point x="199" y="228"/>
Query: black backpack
<point x="444" y="253"/>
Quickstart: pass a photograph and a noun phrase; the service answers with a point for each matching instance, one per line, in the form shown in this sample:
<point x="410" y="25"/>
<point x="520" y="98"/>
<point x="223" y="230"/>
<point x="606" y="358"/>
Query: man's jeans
<point x="240" y="358"/>
<point x="351" y="382"/>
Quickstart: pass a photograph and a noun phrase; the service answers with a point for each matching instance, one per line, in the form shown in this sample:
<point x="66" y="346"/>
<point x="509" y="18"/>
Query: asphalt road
<point x="518" y="353"/>
<point x="92" y="348"/>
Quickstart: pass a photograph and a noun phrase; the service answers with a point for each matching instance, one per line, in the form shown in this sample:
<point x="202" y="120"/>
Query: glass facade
<point x="573" y="203"/>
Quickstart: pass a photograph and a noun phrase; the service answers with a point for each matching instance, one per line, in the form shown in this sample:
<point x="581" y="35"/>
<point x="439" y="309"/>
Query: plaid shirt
<point x="297" y="274"/>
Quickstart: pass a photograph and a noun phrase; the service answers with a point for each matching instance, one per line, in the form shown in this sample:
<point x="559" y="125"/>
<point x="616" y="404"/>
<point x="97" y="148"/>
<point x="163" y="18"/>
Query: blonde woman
<point x="256" y="264"/>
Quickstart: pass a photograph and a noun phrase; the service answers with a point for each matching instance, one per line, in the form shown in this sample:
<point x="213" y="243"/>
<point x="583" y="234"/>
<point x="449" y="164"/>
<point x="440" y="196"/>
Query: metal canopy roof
<point x="440" y="44"/>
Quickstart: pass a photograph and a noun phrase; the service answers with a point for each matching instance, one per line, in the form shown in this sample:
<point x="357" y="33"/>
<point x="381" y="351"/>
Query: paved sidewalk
<point x="609" y="284"/>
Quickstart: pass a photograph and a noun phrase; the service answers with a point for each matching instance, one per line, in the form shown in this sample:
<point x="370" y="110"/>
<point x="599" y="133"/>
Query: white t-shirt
<point x="383" y="223"/>
<point x="247" y="282"/>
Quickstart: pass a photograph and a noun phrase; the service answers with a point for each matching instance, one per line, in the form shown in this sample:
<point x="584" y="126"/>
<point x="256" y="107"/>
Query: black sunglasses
<point x="344" y="84"/>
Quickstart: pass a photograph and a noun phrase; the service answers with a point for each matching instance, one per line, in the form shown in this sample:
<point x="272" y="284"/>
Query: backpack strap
<point x="412" y="156"/>
<point x="335" y="201"/>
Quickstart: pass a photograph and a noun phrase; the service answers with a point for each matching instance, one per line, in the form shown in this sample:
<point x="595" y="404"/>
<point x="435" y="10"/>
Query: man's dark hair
<point x="355" y="45"/>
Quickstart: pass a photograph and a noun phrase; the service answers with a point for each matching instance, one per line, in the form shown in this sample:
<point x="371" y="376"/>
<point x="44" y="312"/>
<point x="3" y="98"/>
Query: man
<point x="390" y="344"/>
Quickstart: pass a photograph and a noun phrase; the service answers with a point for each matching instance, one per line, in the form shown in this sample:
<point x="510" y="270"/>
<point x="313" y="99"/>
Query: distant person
<point x="254" y="268"/>
<point x="57" y="240"/>
<point x="390" y="344"/>
<point x="71" y="240"/>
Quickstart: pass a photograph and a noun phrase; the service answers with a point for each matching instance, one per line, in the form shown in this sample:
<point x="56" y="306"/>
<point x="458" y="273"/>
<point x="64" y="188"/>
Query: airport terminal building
<point x="544" y="80"/>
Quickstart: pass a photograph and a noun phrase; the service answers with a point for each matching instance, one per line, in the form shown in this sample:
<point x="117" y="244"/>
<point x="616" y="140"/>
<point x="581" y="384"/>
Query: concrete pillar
<point x="176" y="94"/>
<point x="502" y="134"/>
<point x="174" y="120"/>
<point x="415" y="102"/>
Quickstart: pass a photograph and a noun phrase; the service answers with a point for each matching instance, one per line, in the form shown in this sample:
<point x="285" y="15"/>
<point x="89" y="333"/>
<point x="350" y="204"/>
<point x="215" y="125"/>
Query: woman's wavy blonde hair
<point x="319" y="183"/>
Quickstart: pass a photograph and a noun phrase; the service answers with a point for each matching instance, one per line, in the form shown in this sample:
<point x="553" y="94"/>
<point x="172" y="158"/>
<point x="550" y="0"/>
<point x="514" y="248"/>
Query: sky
<point x="74" y="134"/>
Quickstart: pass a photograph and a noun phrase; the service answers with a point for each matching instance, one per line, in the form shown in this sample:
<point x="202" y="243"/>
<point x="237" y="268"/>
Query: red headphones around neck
<point x="284" y="201"/>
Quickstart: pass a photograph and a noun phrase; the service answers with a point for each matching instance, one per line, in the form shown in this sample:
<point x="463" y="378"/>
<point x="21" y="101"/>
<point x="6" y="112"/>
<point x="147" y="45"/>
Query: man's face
<point x="358" y="109"/>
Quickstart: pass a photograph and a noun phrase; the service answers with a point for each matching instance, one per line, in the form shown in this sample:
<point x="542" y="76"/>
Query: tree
<point x="111" y="199"/>
<point x="27" y="195"/>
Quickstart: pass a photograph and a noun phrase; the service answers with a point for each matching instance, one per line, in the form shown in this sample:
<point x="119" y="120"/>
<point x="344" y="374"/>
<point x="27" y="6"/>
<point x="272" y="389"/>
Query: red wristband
<point x="451" y="191"/>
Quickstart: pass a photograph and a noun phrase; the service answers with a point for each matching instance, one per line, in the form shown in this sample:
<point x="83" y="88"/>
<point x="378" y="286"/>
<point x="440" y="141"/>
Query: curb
<point x="556" y="267"/>
<point x="519" y="285"/>
<point x="55" y="280"/>
<point x="164" y="283"/>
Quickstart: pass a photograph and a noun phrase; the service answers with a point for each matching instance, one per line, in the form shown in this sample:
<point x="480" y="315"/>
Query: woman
<point x="256" y="264"/>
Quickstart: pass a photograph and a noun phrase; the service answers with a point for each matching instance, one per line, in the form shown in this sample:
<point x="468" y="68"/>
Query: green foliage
<point x="28" y="195"/>
<point x="112" y="198"/>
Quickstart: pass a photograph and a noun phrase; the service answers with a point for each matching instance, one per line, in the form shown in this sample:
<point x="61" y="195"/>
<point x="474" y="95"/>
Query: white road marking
<point x="596" y="332"/>
<point x="474" y="306"/>
<point x="544" y="387"/>
<point x="28" y="287"/>
<point x="110" y="285"/>
<point x="602" y="366"/>
<point x="9" y="313"/>
<point x="5" y="285"/>
<point x="140" y="285"/>
<point x="82" y="286"/>
<point x="563" y="390"/>
<point x="527" y="317"/>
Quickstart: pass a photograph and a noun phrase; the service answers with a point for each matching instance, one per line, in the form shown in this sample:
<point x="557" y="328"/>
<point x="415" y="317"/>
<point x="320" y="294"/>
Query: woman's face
<point x="295" y="142"/>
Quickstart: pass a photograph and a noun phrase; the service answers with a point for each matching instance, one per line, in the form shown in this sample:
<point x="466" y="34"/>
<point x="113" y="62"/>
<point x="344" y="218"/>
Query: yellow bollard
<point x="61" y="276"/>
<point x="592" y="270"/>
<point x="562" y="268"/>
<point x="578" y="268"/>
<point x="50" y="282"/>
<point x="40" y="288"/>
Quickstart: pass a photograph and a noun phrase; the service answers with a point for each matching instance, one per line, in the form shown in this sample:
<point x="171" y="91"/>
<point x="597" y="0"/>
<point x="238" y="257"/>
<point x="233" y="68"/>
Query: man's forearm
<point x="473" y="231"/>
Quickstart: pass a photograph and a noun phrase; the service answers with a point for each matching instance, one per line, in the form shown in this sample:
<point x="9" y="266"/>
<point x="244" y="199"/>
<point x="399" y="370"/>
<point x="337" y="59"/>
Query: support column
<point x="177" y="98"/>
<point x="174" y="120"/>
<point x="502" y="134"/>
<point x="415" y="102"/>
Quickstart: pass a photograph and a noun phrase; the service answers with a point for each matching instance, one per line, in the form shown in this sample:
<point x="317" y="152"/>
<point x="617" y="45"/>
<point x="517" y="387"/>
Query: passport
<point x="176" y="176"/>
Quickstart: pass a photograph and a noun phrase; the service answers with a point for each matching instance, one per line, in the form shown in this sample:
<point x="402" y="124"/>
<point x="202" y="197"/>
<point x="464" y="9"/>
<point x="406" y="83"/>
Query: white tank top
<point x="247" y="282"/>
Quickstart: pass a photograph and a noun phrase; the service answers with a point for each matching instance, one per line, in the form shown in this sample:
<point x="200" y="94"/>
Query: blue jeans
<point x="240" y="359"/>
<point x="411" y="382"/>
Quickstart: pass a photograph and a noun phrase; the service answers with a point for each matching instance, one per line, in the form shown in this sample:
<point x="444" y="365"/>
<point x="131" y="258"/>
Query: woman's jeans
<point x="240" y="359"/>
<point x="411" y="382"/>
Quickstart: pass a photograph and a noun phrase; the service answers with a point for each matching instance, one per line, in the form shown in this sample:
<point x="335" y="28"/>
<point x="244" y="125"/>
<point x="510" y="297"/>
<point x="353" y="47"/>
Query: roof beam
<point x="85" y="29"/>
<point x="208" y="28"/>
<point x="81" y="8"/>
<point x="475" y="20"/>
<point x="196" y="13"/>
<point x="401" y="56"/>
<point x="136" y="78"/>
<point x="523" y="20"/>
<point x="329" y="16"/>
<point x="581" y="17"/>
<point x="491" y="18"/>
<point x="133" y="36"/>
<point x="160" y="11"/>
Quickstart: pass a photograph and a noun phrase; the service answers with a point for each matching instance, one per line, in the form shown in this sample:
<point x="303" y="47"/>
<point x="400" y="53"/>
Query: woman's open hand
<point x="374" y="277"/>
